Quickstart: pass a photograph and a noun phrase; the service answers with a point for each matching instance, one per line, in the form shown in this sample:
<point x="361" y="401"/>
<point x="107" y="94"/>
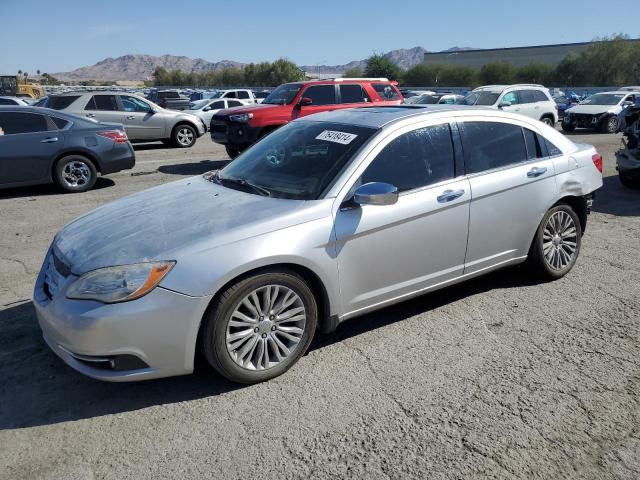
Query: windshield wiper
<point x="243" y="183"/>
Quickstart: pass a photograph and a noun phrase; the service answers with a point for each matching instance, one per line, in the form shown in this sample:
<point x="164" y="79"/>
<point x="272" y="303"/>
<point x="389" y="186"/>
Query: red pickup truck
<point x="238" y="128"/>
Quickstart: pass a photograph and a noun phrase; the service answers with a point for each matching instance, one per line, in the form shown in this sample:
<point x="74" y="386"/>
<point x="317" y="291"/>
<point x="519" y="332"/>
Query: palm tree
<point x="19" y="75"/>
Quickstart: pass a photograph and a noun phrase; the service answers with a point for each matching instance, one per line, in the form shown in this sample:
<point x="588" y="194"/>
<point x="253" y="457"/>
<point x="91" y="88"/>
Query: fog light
<point x="240" y="132"/>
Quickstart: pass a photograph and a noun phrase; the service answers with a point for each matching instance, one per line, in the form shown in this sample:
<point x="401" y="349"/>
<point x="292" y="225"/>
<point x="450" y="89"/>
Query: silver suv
<point x="144" y="121"/>
<point x="531" y="100"/>
<point x="331" y="216"/>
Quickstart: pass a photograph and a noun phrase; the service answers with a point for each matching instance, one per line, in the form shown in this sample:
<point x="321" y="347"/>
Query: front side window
<point x="321" y="94"/>
<point x="219" y="104"/>
<point x="415" y="159"/>
<point x="489" y="145"/>
<point x="353" y="94"/>
<point x="22" y="122"/>
<point x="102" y="102"/>
<point x="298" y="161"/>
<point x="133" y="104"/>
<point x="283" y="95"/>
<point x="230" y="103"/>
<point x="510" y="97"/>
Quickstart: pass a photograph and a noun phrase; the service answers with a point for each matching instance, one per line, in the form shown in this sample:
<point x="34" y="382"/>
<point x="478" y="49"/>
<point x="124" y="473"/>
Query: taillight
<point x="597" y="161"/>
<point x="118" y="136"/>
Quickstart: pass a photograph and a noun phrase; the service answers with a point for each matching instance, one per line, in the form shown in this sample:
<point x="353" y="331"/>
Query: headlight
<point x="241" y="117"/>
<point x="121" y="283"/>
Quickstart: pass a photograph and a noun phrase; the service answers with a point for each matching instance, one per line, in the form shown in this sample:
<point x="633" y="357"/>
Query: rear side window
<point x="413" y="160"/>
<point x="22" y="122"/>
<point x="489" y="145"/>
<point x="60" y="103"/>
<point x="102" y="102"/>
<point x="534" y="147"/>
<point x="386" y="91"/>
<point x="552" y="150"/>
<point x="243" y="95"/>
<point x="230" y="103"/>
<point x="353" y="94"/>
<point x="321" y="94"/>
<point x="540" y="96"/>
<point x="60" y="123"/>
<point x="527" y="96"/>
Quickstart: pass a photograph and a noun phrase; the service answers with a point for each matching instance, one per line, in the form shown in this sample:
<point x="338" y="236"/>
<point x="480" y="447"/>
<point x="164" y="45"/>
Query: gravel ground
<point x="501" y="377"/>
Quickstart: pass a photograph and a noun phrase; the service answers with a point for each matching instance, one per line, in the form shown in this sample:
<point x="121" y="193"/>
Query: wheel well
<point x="88" y="156"/>
<point x="547" y="115"/>
<point x="579" y="205"/>
<point x="314" y="282"/>
<point x="184" y="122"/>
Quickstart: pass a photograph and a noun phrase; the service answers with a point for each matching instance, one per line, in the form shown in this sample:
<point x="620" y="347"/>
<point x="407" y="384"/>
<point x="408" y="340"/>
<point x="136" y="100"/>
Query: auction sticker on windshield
<point x="336" y="137"/>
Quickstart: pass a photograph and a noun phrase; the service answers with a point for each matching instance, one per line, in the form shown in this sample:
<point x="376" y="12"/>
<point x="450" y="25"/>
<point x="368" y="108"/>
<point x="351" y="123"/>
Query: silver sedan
<point x="327" y="218"/>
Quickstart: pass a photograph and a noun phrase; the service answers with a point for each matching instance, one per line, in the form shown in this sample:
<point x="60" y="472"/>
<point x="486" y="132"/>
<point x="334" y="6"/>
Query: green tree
<point x="497" y="73"/>
<point x="381" y="66"/>
<point x="535" y="73"/>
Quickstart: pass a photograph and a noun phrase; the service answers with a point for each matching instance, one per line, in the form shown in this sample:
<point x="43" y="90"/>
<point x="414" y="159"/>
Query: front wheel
<point x="184" y="136"/>
<point x="75" y="173"/>
<point x="260" y="327"/>
<point x="547" y="121"/>
<point x="556" y="245"/>
<point x="610" y="124"/>
<point x="232" y="152"/>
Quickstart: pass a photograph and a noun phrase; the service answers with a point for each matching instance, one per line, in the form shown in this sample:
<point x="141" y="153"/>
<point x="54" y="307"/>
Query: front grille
<point x="55" y="273"/>
<point x="582" y="117"/>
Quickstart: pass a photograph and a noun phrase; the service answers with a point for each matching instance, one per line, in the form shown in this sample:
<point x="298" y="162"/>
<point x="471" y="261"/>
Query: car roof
<point x="377" y="117"/>
<point x="43" y="110"/>
<point x="618" y="92"/>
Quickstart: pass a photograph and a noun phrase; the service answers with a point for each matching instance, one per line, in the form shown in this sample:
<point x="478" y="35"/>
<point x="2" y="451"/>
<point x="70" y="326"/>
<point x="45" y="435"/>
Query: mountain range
<point x="141" y="66"/>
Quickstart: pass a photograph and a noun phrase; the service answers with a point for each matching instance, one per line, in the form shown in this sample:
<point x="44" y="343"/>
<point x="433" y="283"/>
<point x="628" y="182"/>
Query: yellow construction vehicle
<point x="10" y="86"/>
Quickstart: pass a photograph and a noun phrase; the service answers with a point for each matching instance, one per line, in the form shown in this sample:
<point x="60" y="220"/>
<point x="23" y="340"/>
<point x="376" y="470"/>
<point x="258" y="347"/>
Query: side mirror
<point x="206" y="109"/>
<point x="504" y="104"/>
<point x="627" y="103"/>
<point x="305" y="101"/>
<point x="376" y="193"/>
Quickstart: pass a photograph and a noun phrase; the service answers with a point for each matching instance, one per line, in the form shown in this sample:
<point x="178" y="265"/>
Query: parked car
<point x="195" y="96"/>
<point x="329" y="217"/>
<point x="169" y="99"/>
<point x="205" y="109"/>
<point x="144" y="121"/>
<point x="599" y="111"/>
<point x="239" y="93"/>
<point x="628" y="158"/>
<point x="260" y="95"/>
<point x="240" y="128"/>
<point x="38" y="145"/>
<point x="408" y="94"/>
<point x="563" y="103"/>
<point x="15" y="101"/>
<point x="531" y="100"/>
<point x="436" y="98"/>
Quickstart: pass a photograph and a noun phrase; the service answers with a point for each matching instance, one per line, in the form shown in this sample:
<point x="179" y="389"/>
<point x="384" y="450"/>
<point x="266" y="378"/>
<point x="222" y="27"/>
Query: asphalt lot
<point x="501" y="377"/>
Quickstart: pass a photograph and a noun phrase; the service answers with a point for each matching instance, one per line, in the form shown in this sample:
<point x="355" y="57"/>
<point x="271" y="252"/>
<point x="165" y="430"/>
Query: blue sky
<point x="60" y="35"/>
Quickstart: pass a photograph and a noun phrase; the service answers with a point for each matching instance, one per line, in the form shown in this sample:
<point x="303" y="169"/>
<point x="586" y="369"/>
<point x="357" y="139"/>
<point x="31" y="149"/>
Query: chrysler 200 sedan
<point x="327" y="218"/>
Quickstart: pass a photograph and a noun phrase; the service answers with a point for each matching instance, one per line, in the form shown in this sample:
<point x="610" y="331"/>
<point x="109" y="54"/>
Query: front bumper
<point x="584" y="120"/>
<point x="232" y="134"/>
<point x="151" y="337"/>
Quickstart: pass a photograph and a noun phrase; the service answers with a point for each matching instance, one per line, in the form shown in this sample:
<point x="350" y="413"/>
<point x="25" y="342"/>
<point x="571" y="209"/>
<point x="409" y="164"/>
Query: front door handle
<point x="49" y="140"/>
<point x="536" y="172"/>
<point x="449" y="195"/>
<point x="90" y="115"/>
<point x="131" y="117"/>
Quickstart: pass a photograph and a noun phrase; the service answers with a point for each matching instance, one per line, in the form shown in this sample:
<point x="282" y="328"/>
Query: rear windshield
<point x="60" y="102"/>
<point x="386" y="91"/>
<point x="480" y="98"/>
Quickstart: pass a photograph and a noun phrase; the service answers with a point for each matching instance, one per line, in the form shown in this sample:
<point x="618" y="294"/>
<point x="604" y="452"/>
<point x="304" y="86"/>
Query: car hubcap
<point x="613" y="125"/>
<point x="547" y="121"/>
<point x="76" y="173"/>
<point x="560" y="240"/>
<point x="185" y="136"/>
<point x="266" y="327"/>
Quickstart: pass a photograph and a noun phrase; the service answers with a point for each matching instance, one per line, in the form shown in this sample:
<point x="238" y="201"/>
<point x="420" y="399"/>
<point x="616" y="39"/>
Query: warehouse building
<point x="517" y="56"/>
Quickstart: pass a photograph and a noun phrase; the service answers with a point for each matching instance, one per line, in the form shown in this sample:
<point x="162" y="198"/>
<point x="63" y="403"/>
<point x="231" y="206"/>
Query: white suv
<point x="531" y="100"/>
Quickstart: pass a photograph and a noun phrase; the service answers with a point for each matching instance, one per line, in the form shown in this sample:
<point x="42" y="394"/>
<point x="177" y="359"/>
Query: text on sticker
<point x="336" y="137"/>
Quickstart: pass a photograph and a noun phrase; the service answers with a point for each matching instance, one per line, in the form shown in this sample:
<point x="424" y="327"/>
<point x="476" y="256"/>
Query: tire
<point x="547" y="121"/>
<point x="568" y="127"/>
<point x="237" y="351"/>
<point x="555" y="264"/>
<point x="629" y="182"/>
<point x="232" y="152"/>
<point x="184" y="136"/>
<point x="75" y="173"/>
<point x="609" y="124"/>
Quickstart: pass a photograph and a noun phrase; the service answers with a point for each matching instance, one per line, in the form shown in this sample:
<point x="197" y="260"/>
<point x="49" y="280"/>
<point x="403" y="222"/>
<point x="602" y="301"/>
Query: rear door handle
<point x="536" y="172"/>
<point x="449" y="195"/>
<point x="131" y="117"/>
<point x="49" y="140"/>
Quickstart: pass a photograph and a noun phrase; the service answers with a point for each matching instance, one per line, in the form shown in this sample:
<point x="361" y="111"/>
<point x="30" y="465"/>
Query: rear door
<point x="29" y="144"/>
<point x="512" y="182"/>
<point x="140" y="121"/>
<point x="352" y="95"/>
<point x="105" y="108"/>
<point x="385" y="252"/>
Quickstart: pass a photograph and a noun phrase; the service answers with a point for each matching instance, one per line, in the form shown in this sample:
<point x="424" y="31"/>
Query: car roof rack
<point x="351" y="79"/>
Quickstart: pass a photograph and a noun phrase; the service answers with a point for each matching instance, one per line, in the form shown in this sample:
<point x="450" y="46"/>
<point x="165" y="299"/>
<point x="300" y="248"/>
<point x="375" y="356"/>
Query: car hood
<point x="254" y="108"/>
<point x="164" y="222"/>
<point x="592" y="109"/>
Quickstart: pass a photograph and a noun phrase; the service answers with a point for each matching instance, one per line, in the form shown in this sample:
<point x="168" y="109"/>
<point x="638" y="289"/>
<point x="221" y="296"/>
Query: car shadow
<point x="38" y="388"/>
<point x="151" y="146"/>
<point x="49" y="189"/>
<point x="616" y="199"/>
<point x="193" y="168"/>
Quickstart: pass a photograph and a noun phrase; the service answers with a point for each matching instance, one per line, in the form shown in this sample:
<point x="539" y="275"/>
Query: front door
<point x="141" y="122"/>
<point x="322" y="97"/>
<point x="386" y="252"/>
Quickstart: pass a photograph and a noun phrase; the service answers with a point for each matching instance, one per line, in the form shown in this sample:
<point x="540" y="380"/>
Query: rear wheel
<point x="260" y="327"/>
<point x="547" y="121"/>
<point x="184" y="136"/>
<point x="232" y="152"/>
<point x="556" y="245"/>
<point x="568" y="127"/>
<point x="610" y="125"/>
<point x="75" y="173"/>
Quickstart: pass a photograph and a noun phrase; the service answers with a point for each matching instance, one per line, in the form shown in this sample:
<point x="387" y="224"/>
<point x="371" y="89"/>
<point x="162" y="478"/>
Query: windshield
<point x="297" y="161"/>
<point x="284" y="94"/>
<point x="427" y="99"/>
<point x="480" y="98"/>
<point x="603" y="99"/>
<point x="199" y="104"/>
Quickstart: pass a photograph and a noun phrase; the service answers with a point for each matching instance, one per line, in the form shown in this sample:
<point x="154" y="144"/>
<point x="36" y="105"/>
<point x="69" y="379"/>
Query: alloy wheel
<point x="560" y="240"/>
<point x="76" y="174"/>
<point x="265" y="327"/>
<point x="185" y="136"/>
